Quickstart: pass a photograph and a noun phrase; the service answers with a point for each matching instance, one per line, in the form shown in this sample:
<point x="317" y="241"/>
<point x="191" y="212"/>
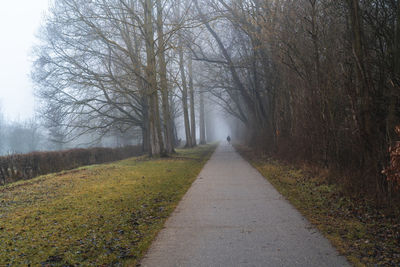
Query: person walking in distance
<point x="228" y="139"/>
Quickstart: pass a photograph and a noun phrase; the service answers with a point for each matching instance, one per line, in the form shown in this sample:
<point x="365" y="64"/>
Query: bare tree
<point x="167" y="124"/>
<point x="192" y="105"/>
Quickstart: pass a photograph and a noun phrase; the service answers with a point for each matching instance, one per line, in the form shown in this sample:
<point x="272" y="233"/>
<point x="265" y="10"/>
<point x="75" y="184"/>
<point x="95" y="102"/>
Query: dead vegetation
<point x="26" y="166"/>
<point x="365" y="232"/>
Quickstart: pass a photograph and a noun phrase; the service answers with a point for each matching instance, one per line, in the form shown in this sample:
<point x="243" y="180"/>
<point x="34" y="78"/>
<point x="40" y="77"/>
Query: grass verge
<point x="365" y="234"/>
<point x="96" y="215"/>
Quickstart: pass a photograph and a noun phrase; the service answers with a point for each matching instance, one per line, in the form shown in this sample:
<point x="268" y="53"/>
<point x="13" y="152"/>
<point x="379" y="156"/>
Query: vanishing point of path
<point x="231" y="216"/>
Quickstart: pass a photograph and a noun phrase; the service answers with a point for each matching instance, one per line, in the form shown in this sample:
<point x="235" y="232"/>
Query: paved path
<point x="231" y="216"/>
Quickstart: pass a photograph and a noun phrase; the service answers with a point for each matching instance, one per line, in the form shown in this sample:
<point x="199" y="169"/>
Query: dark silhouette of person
<point x="228" y="139"/>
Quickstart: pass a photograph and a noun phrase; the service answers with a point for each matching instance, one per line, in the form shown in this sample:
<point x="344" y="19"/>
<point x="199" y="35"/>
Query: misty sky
<point x="19" y="22"/>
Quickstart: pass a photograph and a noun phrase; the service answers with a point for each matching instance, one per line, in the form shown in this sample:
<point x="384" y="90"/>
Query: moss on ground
<point x="96" y="215"/>
<point x="365" y="234"/>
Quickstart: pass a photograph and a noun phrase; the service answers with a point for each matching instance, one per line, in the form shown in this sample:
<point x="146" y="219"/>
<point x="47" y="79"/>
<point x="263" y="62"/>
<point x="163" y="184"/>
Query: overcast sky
<point x="19" y="22"/>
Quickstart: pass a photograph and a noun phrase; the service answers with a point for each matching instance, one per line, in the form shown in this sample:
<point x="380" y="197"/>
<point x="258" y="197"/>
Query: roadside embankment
<point x="96" y="215"/>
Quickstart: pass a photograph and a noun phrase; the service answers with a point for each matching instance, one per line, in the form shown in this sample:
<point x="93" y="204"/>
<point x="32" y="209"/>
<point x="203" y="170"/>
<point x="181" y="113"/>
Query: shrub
<point x="392" y="172"/>
<point x="26" y="166"/>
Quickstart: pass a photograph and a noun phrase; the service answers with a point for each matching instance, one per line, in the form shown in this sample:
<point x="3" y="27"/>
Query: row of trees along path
<point x="316" y="80"/>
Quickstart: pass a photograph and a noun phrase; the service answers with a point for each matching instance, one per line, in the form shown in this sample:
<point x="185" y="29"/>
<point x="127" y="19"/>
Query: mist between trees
<point x="34" y="134"/>
<point x="316" y="80"/>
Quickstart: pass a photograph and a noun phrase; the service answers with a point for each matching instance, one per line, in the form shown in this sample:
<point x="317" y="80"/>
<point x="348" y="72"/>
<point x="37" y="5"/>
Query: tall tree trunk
<point x="169" y="145"/>
<point x="172" y="107"/>
<point x="397" y="43"/>
<point x="156" y="140"/>
<point x="369" y="135"/>
<point x="362" y="83"/>
<point x="145" y="126"/>
<point x="202" y="120"/>
<point x="158" y="124"/>
<point x="184" y="86"/>
<point x="392" y="118"/>
<point x="134" y="49"/>
<point x="184" y="98"/>
<point x="192" y="114"/>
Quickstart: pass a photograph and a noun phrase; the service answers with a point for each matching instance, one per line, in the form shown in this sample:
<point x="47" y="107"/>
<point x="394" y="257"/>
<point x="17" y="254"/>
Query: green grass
<point x="363" y="233"/>
<point x="96" y="215"/>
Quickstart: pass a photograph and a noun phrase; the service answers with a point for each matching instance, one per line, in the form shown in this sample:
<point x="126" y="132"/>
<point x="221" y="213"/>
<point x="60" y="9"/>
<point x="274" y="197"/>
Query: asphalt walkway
<point x="232" y="216"/>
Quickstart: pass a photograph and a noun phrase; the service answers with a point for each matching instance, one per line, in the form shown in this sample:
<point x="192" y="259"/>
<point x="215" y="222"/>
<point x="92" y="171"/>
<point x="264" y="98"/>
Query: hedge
<point x="26" y="166"/>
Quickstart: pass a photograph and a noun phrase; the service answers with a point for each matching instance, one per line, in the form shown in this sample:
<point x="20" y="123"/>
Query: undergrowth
<point x="96" y="215"/>
<point x="365" y="234"/>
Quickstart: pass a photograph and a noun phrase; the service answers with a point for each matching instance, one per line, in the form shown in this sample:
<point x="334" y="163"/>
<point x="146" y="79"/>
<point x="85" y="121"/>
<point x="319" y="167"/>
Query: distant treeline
<point x="36" y="134"/>
<point x="26" y="166"/>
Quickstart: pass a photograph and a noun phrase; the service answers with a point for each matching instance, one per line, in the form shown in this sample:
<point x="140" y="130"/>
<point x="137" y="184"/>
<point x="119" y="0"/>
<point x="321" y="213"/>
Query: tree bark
<point x="202" y="120"/>
<point x="145" y="126"/>
<point x="168" y="133"/>
<point x="192" y="113"/>
<point x="156" y="140"/>
<point x="362" y="84"/>
<point x="184" y="87"/>
<point x="184" y="99"/>
<point x="397" y="41"/>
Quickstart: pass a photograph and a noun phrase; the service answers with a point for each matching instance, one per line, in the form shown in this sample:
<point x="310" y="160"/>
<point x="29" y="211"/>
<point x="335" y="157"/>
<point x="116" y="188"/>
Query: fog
<point x="295" y="81"/>
<point x="217" y="124"/>
<point x="24" y="124"/>
<point x="314" y="83"/>
<point x="19" y="23"/>
<point x="217" y="127"/>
